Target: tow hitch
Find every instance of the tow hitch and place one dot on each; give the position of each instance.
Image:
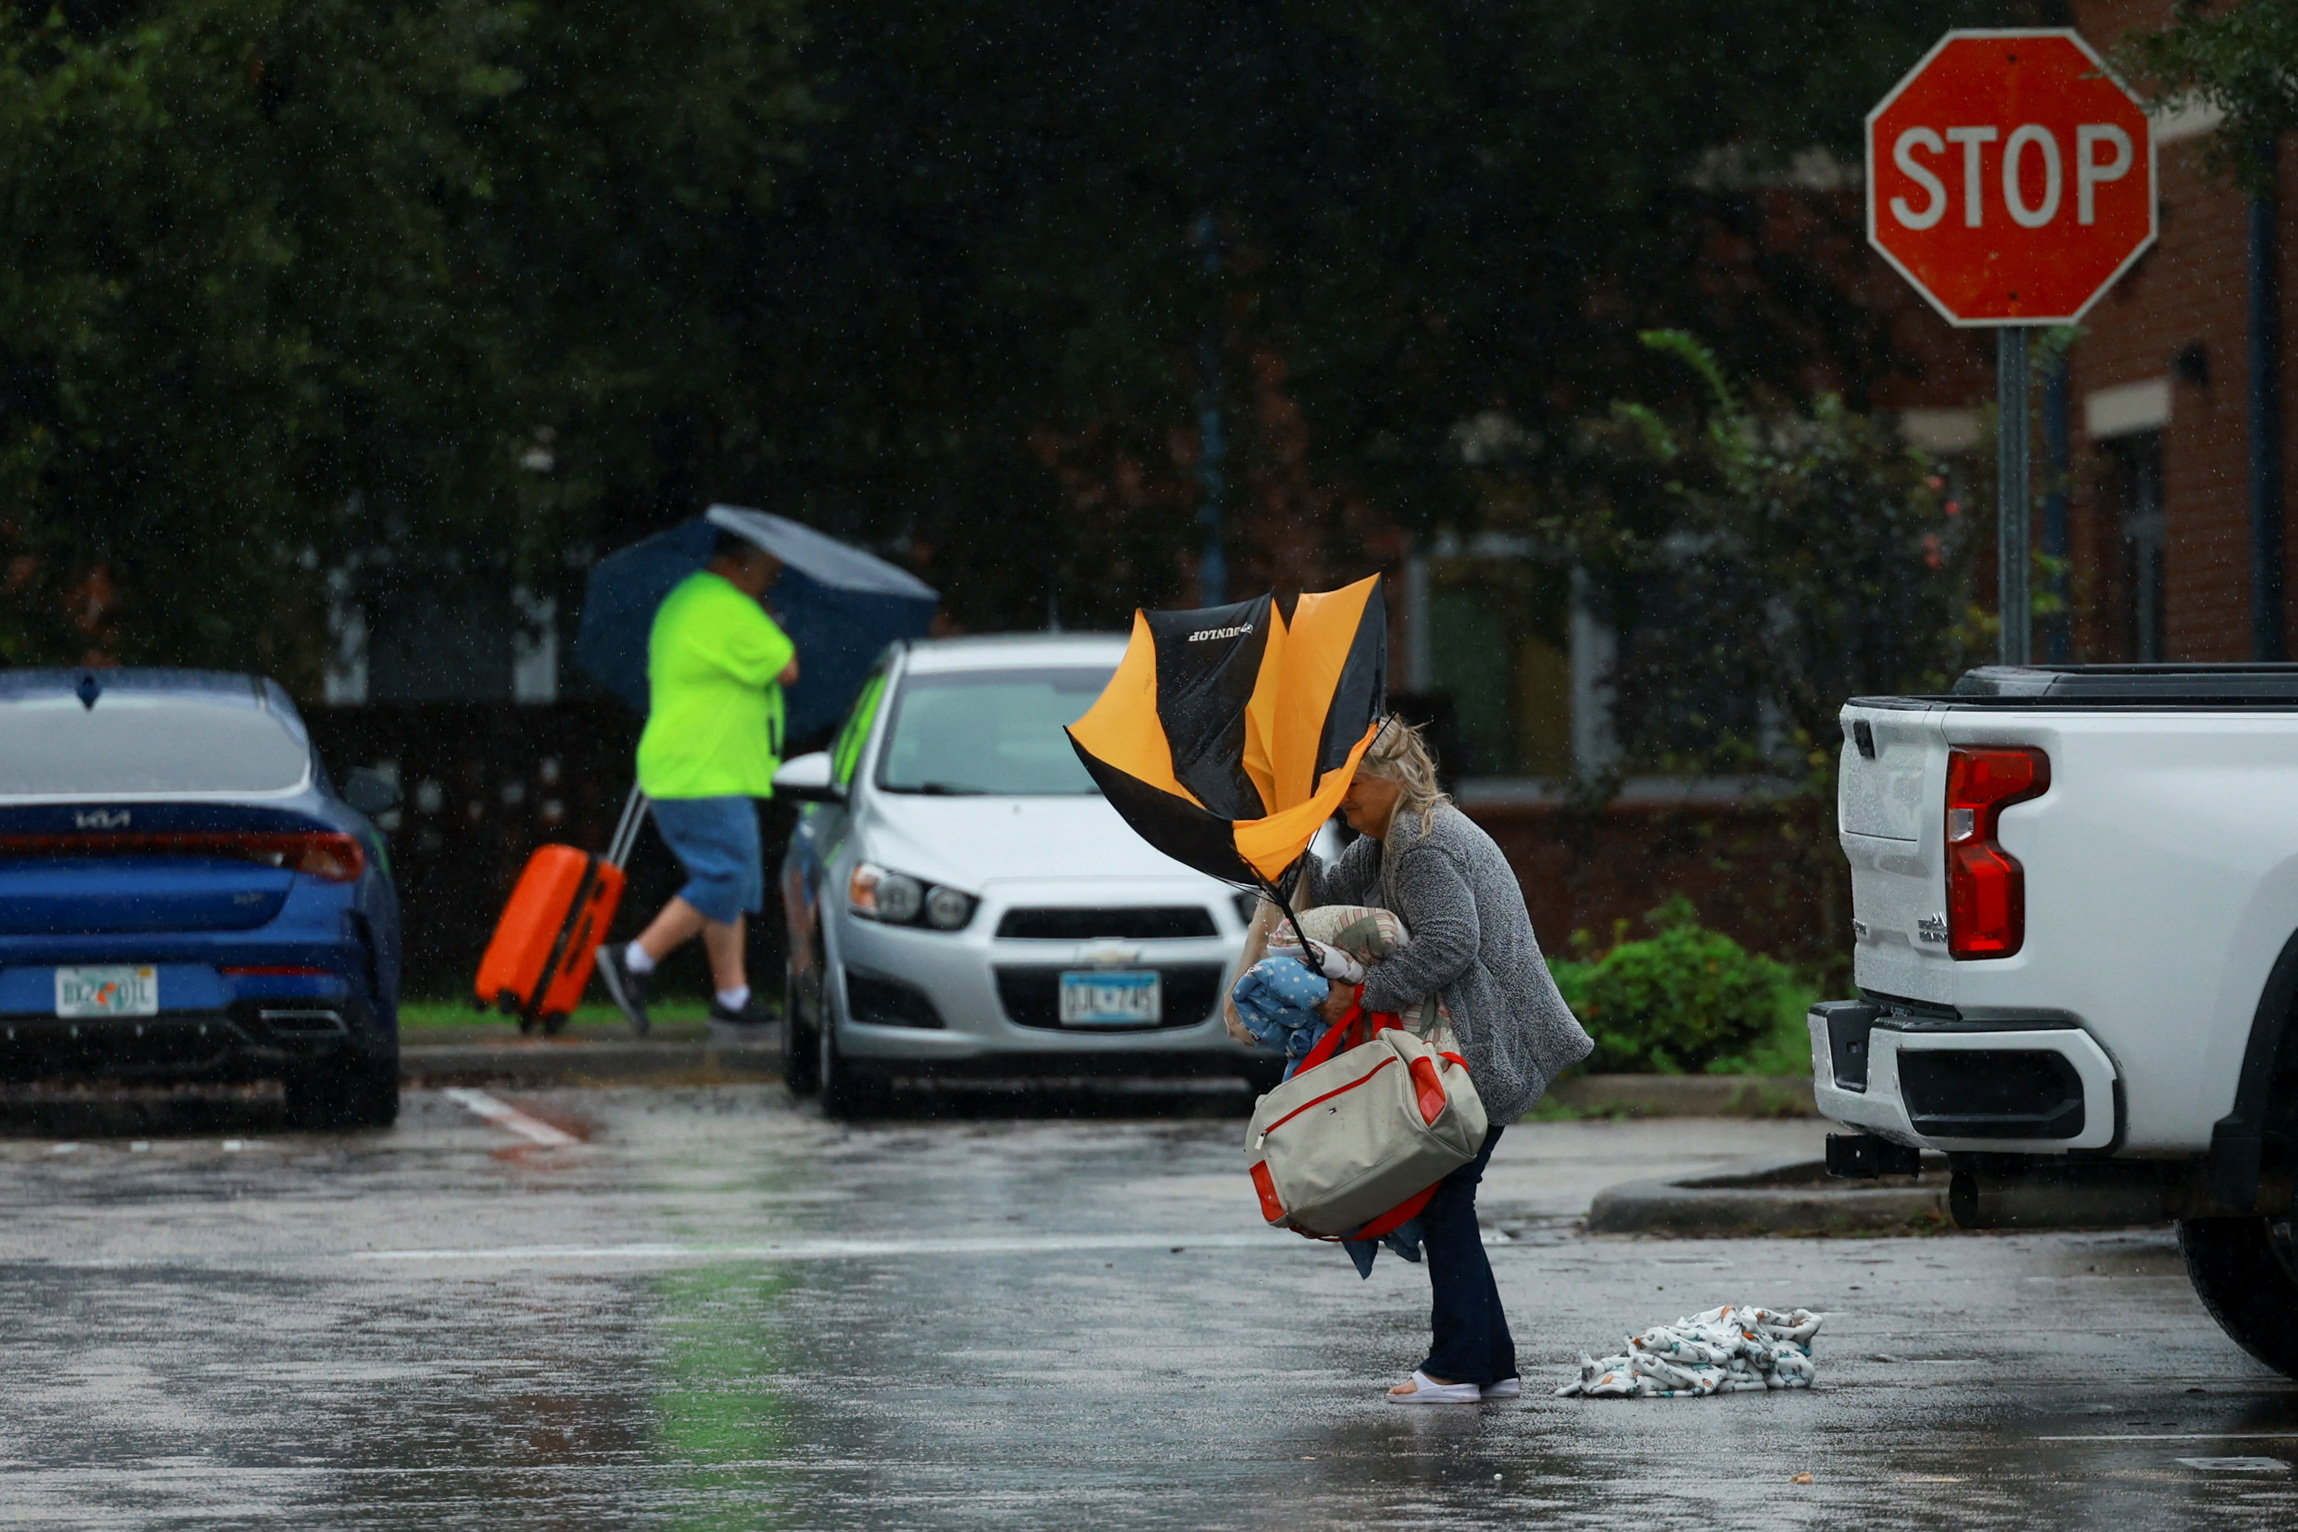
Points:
(1863, 1157)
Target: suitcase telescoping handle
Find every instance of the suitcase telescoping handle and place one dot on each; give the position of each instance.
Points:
(626, 829)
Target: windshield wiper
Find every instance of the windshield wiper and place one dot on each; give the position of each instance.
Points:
(945, 790)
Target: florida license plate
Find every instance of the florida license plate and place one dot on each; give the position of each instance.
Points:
(1105, 998)
(108, 991)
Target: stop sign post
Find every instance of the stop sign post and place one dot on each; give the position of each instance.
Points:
(2011, 179)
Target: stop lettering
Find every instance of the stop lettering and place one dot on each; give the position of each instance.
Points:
(2010, 177)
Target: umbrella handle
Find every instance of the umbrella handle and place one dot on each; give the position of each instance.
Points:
(1311, 948)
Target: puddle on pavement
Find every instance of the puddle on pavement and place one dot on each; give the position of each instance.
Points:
(972, 1371)
(106, 1111)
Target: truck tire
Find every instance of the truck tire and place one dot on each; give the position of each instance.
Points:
(343, 1094)
(2245, 1271)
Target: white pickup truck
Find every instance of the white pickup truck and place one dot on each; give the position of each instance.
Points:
(2075, 917)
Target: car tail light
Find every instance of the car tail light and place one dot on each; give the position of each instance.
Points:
(1986, 886)
(328, 854)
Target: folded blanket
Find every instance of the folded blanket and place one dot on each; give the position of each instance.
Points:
(1277, 1000)
(1723, 1351)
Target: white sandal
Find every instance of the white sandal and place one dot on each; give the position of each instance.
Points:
(1426, 1391)
(1506, 1388)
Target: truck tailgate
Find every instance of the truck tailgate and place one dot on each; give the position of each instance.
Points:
(1888, 797)
(2157, 883)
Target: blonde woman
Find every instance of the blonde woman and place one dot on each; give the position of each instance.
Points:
(1471, 945)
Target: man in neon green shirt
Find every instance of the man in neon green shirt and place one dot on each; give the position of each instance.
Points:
(716, 664)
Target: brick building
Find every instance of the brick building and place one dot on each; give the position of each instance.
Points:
(2147, 433)
(2159, 395)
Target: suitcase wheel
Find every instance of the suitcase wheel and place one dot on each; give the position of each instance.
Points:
(506, 1002)
(526, 1023)
(554, 1022)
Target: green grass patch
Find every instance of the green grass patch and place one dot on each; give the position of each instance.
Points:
(461, 1016)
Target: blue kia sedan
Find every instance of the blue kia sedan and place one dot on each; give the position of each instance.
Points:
(186, 896)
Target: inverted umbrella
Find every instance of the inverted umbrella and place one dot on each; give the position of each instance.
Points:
(1229, 734)
(839, 605)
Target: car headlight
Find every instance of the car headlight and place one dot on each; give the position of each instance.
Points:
(947, 909)
(897, 899)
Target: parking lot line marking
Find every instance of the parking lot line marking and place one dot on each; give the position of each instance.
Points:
(835, 1249)
(508, 1117)
(2186, 1436)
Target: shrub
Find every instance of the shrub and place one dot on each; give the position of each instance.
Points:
(1681, 1002)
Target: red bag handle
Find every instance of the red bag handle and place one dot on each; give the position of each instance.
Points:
(1386, 1223)
(1396, 1217)
(1349, 1030)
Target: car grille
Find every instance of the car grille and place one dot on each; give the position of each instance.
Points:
(1032, 995)
(1142, 922)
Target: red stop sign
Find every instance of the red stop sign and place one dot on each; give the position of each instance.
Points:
(2010, 177)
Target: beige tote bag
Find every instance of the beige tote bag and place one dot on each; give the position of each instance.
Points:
(1338, 1145)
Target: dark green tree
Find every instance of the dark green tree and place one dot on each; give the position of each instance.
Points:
(300, 283)
(2237, 57)
(1765, 562)
(1771, 564)
(452, 294)
(1034, 236)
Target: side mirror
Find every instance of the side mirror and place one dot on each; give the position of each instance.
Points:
(370, 792)
(806, 779)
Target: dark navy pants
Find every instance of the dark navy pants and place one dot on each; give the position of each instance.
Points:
(1471, 1344)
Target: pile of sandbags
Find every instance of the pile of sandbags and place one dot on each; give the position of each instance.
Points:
(1722, 1351)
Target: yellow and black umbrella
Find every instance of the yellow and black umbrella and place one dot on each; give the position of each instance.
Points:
(1229, 734)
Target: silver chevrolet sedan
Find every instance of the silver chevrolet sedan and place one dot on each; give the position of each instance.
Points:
(960, 898)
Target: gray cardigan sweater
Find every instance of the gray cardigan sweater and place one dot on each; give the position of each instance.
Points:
(1471, 942)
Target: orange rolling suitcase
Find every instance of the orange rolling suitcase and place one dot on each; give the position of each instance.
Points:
(539, 960)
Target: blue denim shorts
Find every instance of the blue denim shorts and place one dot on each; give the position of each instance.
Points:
(716, 841)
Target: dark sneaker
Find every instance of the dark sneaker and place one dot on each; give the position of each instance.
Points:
(749, 1016)
(626, 989)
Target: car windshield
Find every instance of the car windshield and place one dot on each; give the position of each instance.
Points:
(51, 746)
(989, 731)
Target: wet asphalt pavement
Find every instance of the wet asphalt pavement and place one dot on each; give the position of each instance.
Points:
(704, 1308)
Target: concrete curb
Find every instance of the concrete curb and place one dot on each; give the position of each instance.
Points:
(1773, 1197)
(574, 1060)
(571, 1061)
(1686, 1095)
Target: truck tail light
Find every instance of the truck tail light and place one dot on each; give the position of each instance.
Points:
(1986, 886)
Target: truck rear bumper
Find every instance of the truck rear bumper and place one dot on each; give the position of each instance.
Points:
(2004, 1086)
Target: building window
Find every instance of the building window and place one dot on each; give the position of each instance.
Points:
(443, 646)
(1499, 635)
(2134, 473)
